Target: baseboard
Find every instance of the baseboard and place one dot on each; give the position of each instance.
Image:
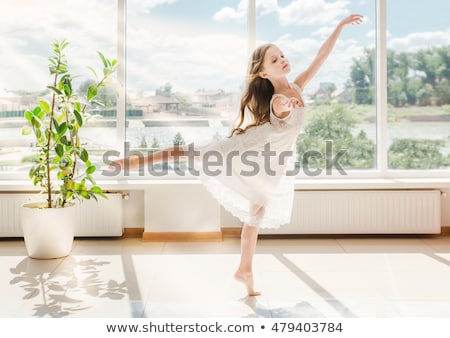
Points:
(182, 236)
(132, 232)
(231, 232)
(218, 236)
(445, 231)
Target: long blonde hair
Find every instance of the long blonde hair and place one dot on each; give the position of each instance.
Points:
(257, 94)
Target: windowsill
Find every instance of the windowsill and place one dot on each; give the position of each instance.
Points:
(300, 184)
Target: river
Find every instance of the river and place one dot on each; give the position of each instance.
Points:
(13, 146)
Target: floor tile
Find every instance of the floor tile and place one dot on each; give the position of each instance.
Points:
(329, 277)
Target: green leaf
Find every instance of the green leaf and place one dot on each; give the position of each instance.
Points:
(55, 124)
(36, 122)
(78, 117)
(84, 155)
(104, 60)
(59, 150)
(90, 179)
(54, 89)
(40, 116)
(67, 90)
(62, 129)
(28, 115)
(77, 106)
(38, 133)
(64, 140)
(26, 130)
(37, 110)
(90, 170)
(61, 118)
(45, 106)
(96, 190)
(64, 43)
(92, 92)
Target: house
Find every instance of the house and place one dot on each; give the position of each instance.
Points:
(157, 104)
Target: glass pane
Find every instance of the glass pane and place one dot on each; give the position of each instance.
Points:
(27, 32)
(418, 84)
(340, 129)
(186, 64)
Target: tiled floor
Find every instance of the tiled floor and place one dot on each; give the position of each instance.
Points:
(309, 277)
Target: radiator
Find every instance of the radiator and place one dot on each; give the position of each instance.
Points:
(101, 218)
(364, 212)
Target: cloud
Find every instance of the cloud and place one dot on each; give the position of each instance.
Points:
(26, 43)
(230, 14)
(419, 40)
(298, 12)
(371, 34)
(189, 62)
(145, 6)
(240, 14)
(313, 12)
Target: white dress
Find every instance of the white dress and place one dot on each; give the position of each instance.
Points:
(250, 170)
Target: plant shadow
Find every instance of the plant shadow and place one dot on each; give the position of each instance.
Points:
(62, 287)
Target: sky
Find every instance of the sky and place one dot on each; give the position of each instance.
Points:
(196, 45)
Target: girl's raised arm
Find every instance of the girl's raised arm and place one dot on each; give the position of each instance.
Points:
(325, 50)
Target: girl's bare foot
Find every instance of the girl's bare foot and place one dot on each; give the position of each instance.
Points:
(247, 279)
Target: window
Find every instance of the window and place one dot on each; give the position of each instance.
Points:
(418, 84)
(341, 120)
(185, 69)
(27, 32)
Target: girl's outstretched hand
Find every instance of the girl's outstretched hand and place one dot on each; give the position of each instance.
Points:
(290, 103)
(353, 19)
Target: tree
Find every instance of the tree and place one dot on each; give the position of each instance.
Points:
(155, 143)
(362, 78)
(334, 123)
(411, 153)
(422, 77)
(178, 140)
(143, 143)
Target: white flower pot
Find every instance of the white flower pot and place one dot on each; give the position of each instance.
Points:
(48, 232)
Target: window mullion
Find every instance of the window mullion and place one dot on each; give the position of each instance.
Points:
(381, 89)
(121, 73)
(251, 25)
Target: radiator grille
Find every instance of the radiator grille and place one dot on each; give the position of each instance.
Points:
(101, 218)
(364, 212)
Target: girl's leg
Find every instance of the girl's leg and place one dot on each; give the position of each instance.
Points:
(244, 274)
(249, 237)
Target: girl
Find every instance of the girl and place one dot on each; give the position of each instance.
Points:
(254, 182)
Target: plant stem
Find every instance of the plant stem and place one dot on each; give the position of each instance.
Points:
(49, 138)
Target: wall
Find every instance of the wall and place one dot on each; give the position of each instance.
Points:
(445, 208)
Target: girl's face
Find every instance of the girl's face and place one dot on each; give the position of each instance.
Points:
(275, 64)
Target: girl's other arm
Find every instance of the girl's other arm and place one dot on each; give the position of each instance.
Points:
(303, 79)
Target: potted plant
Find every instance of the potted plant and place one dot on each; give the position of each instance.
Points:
(62, 168)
